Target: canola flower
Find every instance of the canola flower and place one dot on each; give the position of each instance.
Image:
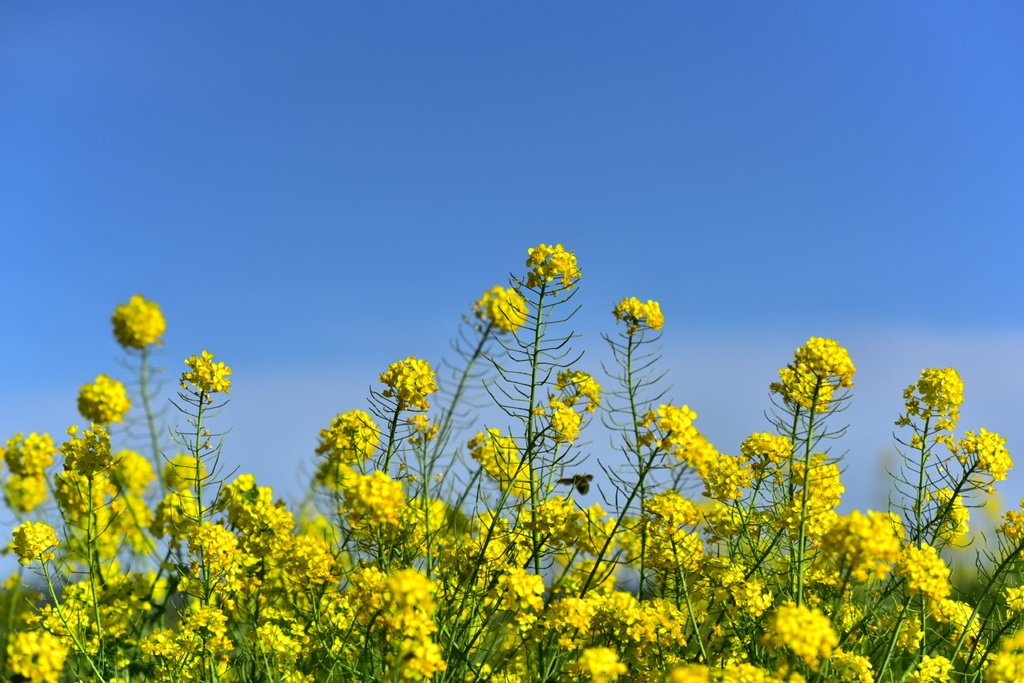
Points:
(552, 263)
(34, 541)
(139, 323)
(352, 437)
(206, 376)
(103, 402)
(410, 382)
(820, 367)
(804, 631)
(637, 314)
(505, 309)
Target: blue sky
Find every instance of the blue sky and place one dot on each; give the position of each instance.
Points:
(316, 190)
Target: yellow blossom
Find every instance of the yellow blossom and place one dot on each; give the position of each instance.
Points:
(985, 451)
(206, 376)
(36, 656)
(820, 367)
(932, 670)
(804, 631)
(351, 438)
(503, 308)
(138, 323)
(33, 541)
(599, 664)
(104, 402)
(926, 573)
(410, 381)
(88, 454)
(637, 314)
(549, 263)
(577, 384)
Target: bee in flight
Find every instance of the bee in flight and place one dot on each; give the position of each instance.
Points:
(580, 481)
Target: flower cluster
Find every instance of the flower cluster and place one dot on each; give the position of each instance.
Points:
(549, 263)
(820, 367)
(88, 454)
(410, 381)
(33, 541)
(138, 323)
(206, 376)
(351, 438)
(804, 631)
(503, 308)
(103, 402)
(637, 314)
(28, 457)
(926, 573)
(500, 458)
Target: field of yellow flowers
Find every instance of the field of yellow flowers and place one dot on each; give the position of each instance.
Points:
(430, 548)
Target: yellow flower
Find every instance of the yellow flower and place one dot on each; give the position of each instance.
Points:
(351, 438)
(503, 308)
(565, 422)
(865, 545)
(206, 376)
(549, 263)
(138, 323)
(932, 670)
(941, 391)
(410, 381)
(806, 632)
(33, 541)
(577, 384)
(104, 402)
(499, 456)
(30, 455)
(88, 454)
(926, 573)
(637, 314)
(36, 656)
(372, 499)
(1007, 666)
(987, 452)
(600, 664)
(820, 367)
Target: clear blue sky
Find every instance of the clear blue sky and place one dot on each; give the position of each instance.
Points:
(315, 190)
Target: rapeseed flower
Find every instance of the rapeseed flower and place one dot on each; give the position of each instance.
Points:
(410, 381)
(88, 454)
(206, 376)
(942, 393)
(932, 669)
(926, 573)
(599, 664)
(1007, 665)
(103, 402)
(351, 438)
(637, 314)
(36, 656)
(499, 456)
(576, 385)
(820, 367)
(372, 499)
(138, 323)
(549, 263)
(28, 458)
(804, 631)
(34, 541)
(866, 546)
(503, 308)
(987, 452)
(30, 455)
